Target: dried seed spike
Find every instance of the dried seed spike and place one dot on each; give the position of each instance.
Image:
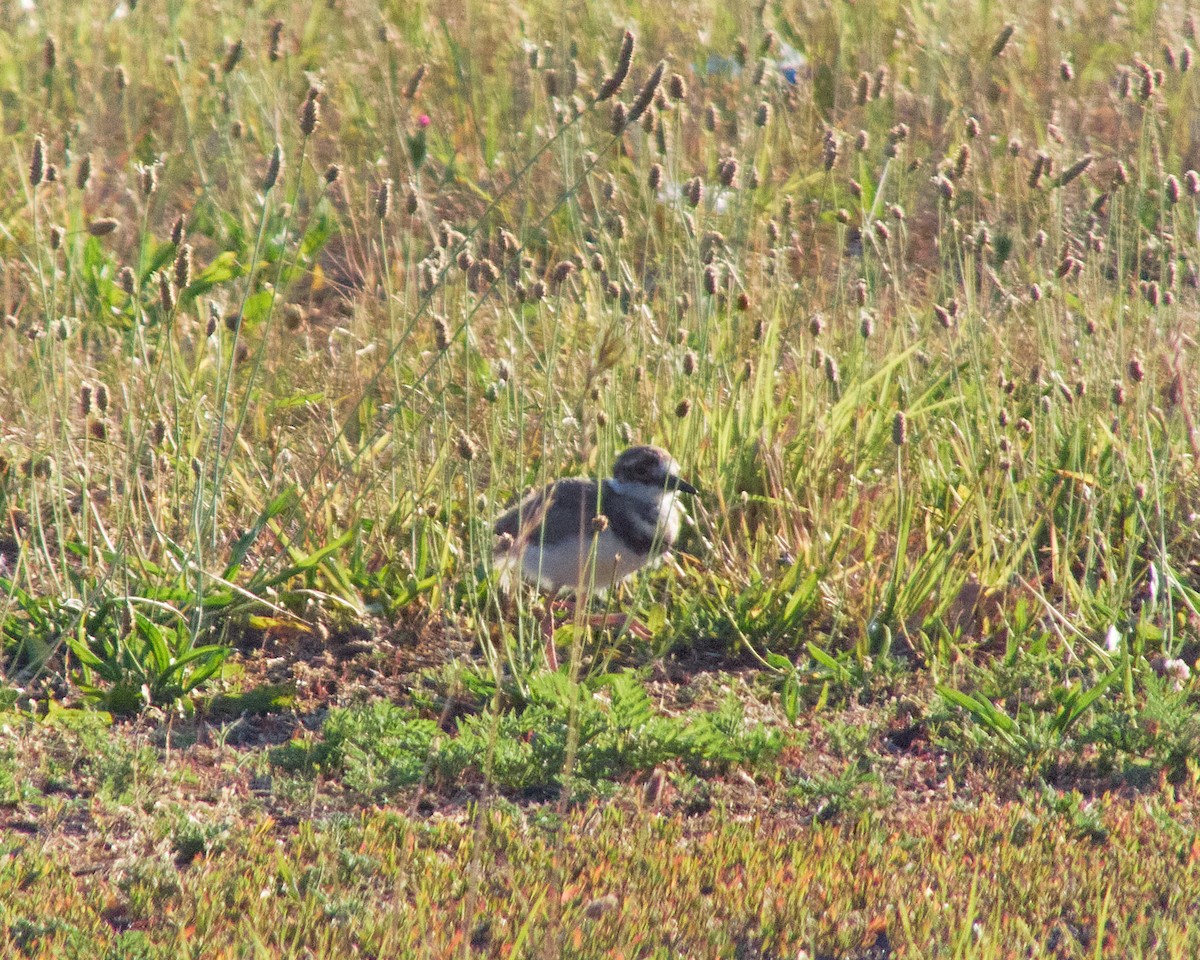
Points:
(183, 267)
(677, 87)
(166, 292)
(103, 226)
(727, 171)
(441, 334)
(900, 429)
(1066, 71)
(1172, 189)
(1039, 167)
(620, 119)
(383, 200)
(310, 112)
(177, 231)
(646, 94)
(654, 176)
(1075, 170)
(83, 172)
(862, 89)
(762, 116)
(881, 79)
(465, 446)
(614, 80)
(962, 162)
(275, 41)
(50, 54)
(413, 87)
(37, 161)
(333, 173)
(1002, 39)
(274, 166)
(102, 397)
(233, 57)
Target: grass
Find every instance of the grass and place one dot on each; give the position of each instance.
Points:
(296, 301)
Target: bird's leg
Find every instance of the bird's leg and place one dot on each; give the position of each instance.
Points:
(547, 624)
(622, 621)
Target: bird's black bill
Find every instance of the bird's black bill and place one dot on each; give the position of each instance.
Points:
(678, 483)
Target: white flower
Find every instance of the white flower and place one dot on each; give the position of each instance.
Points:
(1178, 671)
(1112, 640)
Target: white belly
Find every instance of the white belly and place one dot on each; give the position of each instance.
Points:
(569, 565)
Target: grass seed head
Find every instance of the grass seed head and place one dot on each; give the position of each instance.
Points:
(441, 334)
(37, 161)
(862, 89)
(166, 291)
(275, 41)
(103, 226)
(693, 190)
(274, 166)
(900, 429)
(233, 56)
(1075, 170)
(646, 95)
(612, 83)
(383, 200)
(310, 112)
(1171, 189)
(677, 87)
(1002, 39)
(85, 398)
(562, 271)
(654, 176)
(962, 162)
(183, 267)
(56, 237)
(83, 173)
(333, 173)
(619, 119)
(683, 408)
(727, 171)
(177, 231)
(413, 87)
(762, 116)
(880, 85)
(127, 280)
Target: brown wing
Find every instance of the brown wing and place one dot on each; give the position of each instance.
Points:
(551, 514)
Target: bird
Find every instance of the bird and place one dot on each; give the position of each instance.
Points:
(581, 536)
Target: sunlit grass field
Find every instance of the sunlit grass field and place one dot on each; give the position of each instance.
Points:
(297, 299)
